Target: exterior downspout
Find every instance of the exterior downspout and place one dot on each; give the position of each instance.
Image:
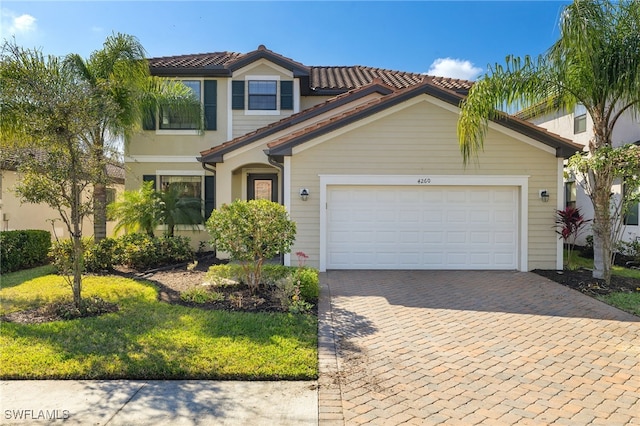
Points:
(280, 167)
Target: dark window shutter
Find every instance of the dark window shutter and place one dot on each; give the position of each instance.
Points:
(149, 120)
(150, 178)
(210, 98)
(209, 195)
(237, 94)
(286, 95)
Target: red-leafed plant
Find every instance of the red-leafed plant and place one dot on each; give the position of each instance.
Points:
(570, 223)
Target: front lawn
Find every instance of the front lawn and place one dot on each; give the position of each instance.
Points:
(146, 338)
(629, 300)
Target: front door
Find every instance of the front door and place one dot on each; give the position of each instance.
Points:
(262, 187)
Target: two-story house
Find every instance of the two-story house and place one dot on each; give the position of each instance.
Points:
(365, 160)
(577, 125)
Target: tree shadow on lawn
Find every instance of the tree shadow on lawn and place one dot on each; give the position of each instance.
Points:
(152, 342)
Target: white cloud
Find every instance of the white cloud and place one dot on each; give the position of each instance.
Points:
(14, 24)
(454, 68)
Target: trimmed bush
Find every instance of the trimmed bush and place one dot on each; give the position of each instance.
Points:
(141, 252)
(309, 283)
(23, 249)
(221, 275)
(137, 251)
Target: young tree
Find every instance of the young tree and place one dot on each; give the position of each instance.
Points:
(252, 232)
(45, 114)
(596, 63)
(118, 75)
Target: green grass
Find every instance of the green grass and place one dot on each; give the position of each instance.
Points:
(629, 302)
(148, 339)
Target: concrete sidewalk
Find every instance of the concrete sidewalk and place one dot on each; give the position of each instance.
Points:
(180, 402)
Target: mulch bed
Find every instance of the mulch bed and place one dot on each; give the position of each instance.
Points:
(583, 281)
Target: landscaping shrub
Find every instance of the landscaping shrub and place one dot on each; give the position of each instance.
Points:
(201, 295)
(271, 274)
(220, 275)
(252, 232)
(141, 252)
(23, 249)
(101, 256)
(137, 251)
(309, 283)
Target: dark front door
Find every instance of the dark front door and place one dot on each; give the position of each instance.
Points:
(262, 187)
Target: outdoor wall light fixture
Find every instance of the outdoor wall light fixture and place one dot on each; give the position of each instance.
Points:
(544, 195)
(304, 194)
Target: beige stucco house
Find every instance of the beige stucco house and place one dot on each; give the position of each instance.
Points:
(16, 215)
(365, 160)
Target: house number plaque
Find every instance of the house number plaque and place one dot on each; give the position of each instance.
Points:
(424, 181)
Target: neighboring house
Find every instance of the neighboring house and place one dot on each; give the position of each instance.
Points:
(365, 160)
(16, 215)
(577, 125)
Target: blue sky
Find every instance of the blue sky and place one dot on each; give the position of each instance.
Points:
(452, 38)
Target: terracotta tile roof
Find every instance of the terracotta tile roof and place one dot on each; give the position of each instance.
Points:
(199, 60)
(321, 79)
(347, 97)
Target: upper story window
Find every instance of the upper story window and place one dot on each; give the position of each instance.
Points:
(174, 119)
(579, 119)
(262, 95)
(168, 118)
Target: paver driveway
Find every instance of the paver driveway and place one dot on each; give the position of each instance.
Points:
(460, 347)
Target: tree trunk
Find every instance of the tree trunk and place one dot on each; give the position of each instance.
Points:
(99, 212)
(602, 239)
(77, 243)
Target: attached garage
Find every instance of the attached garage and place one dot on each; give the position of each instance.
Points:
(422, 228)
(439, 222)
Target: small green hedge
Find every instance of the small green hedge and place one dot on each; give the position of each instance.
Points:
(305, 277)
(23, 249)
(137, 251)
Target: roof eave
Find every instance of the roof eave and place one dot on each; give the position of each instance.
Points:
(190, 72)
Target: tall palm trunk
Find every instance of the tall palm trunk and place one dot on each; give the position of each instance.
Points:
(99, 212)
(100, 192)
(601, 191)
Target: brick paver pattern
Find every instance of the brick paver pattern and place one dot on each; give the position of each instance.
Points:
(472, 347)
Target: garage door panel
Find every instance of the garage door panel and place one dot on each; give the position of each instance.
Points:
(422, 228)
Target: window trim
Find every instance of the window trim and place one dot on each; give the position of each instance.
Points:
(158, 182)
(579, 120)
(275, 78)
(183, 131)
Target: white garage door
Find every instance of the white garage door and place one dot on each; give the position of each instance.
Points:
(408, 227)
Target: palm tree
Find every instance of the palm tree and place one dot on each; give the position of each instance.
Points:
(119, 77)
(136, 211)
(596, 63)
(176, 207)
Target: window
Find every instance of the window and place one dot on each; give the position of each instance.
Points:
(189, 192)
(631, 215)
(570, 194)
(111, 195)
(263, 94)
(579, 119)
(187, 186)
(181, 120)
